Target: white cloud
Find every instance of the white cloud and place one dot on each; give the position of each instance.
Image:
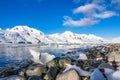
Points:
(88, 8)
(116, 3)
(93, 11)
(106, 14)
(78, 23)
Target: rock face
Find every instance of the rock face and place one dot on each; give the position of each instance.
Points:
(68, 75)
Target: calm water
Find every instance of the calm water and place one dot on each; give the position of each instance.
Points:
(10, 54)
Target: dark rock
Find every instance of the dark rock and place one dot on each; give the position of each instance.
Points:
(51, 74)
(14, 77)
(35, 78)
(9, 73)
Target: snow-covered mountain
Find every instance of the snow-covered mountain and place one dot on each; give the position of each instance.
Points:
(69, 37)
(25, 34)
(22, 34)
(116, 40)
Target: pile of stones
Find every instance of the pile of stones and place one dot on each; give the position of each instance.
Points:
(99, 60)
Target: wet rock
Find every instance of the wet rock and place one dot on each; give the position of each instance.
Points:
(9, 73)
(35, 71)
(5, 69)
(14, 77)
(22, 73)
(35, 78)
(24, 65)
(68, 75)
(51, 74)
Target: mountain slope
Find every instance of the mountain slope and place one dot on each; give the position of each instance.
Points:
(23, 34)
(68, 36)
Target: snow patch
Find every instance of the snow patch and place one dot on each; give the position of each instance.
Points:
(78, 69)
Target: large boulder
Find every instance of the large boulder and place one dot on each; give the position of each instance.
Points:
(35, 71)
(68, 75)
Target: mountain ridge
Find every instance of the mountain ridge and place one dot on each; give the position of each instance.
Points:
(23, 34)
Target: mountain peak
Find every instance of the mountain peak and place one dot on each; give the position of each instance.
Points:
(68, 33)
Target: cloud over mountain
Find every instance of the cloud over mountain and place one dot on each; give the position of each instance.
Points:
(93, 10)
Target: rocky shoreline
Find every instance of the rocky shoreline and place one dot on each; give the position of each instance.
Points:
(97, 63)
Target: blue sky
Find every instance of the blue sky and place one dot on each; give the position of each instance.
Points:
(99, 17)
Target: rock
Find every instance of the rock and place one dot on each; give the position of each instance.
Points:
(68, 75)
(22, 73)
(78, 69)
(4, 69)
(59, 62)
(35, 71)
(114, 56)
(24, 65)
(97, 75)
(105, 65)
(114, 76)
(108, 71)
(84, 64)
(53, 63)
(9, 73)
(82, 57)
(14, 77)
(46, 57)
(51, 74)
(63, 61)
(34, 78)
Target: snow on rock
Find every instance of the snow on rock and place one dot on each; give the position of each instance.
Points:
(114, 76)
(41, 58)
(82, 56)
(68, 75)
(97, 75)
(108, 71)
(78, 69)
(46, 57)
(36, 56)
